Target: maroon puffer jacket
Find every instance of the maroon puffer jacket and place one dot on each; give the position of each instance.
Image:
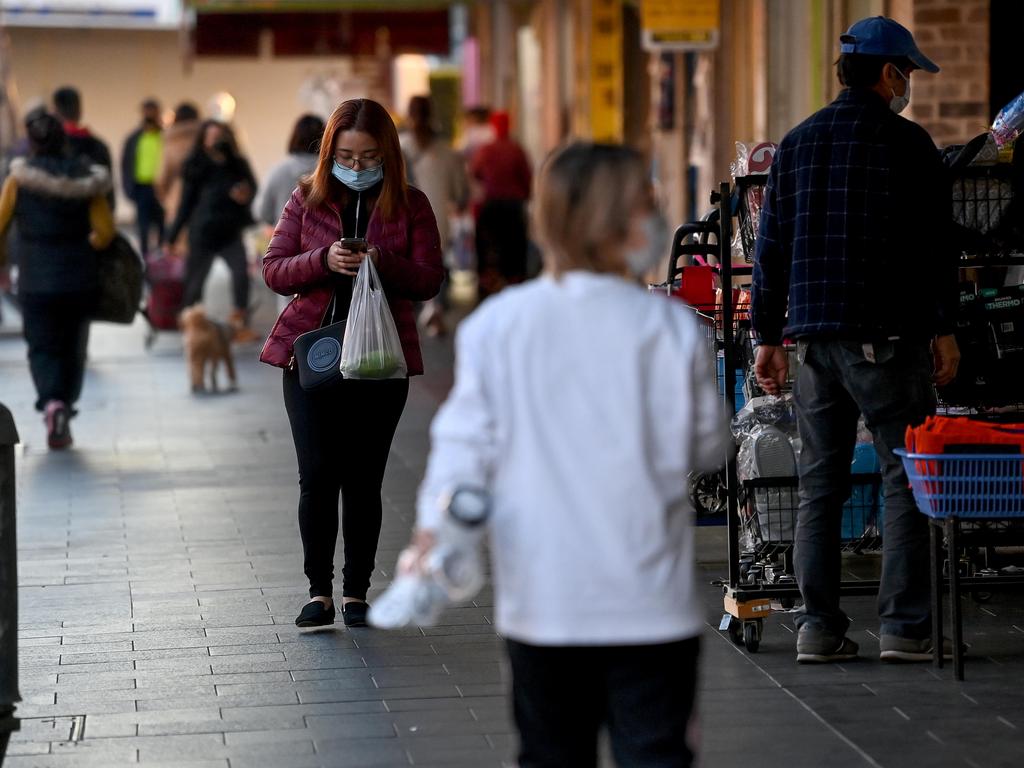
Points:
(409, 266)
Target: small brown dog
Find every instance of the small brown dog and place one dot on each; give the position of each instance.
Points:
(206, 344)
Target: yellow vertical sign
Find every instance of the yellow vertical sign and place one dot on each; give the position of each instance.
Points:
(606, 71)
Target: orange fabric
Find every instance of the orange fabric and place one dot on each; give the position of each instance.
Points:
(937, 432)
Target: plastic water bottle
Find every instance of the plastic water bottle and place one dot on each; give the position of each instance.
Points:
(1009, 122)
(456, 562)
(452, 571)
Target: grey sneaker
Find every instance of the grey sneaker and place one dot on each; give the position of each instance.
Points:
(819, 646)
(895, 648)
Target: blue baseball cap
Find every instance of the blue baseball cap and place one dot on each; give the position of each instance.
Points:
(879, 36)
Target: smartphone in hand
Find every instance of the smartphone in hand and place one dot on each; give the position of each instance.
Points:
(354, 244)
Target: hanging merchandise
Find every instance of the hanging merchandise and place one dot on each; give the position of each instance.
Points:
(372, 349)
(1009, 122)
(749, 170)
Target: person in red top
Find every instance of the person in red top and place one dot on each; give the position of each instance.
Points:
(503, 175)
(67, 103)
(343, 432)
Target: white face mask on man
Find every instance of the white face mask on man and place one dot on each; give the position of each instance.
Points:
(898, 103)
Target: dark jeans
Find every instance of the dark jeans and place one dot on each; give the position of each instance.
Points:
(56, 327)
(149, 215)
(562, 695)
(836, 383)
(342, 439)
(197, 269)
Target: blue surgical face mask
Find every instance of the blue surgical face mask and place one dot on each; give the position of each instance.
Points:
(359, 180)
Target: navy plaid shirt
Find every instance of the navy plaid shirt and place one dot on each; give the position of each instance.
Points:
(854, 238)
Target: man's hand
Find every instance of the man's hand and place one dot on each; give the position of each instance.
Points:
(770, 367)
(947, 359)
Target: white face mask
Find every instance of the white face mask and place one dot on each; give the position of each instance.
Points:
(898, 103)
(640, 261)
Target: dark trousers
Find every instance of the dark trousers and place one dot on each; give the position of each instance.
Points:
(561, 696)
(501, 245)
(342, 439)
(197, 269)
(56, 328)
(149, 215)
(890, 384)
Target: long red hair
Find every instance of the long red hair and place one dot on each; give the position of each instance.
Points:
(369, 117)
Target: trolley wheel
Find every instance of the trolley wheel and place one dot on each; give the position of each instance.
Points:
(752, 636)
(708, 494)
(736, 631)
(149, 338)
(787, 603)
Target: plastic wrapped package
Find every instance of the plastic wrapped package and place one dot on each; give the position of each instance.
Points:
(752, 159)
(765, 429)
(1009, 122)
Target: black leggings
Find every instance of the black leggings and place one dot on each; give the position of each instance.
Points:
(200, 261)
(342, 439)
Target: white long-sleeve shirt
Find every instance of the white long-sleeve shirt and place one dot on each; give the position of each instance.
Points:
(582, 403)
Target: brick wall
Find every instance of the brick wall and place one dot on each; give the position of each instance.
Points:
(952, 105)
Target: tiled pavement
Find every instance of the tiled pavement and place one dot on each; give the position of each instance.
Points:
(160, 572)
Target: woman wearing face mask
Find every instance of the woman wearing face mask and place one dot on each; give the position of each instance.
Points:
(584, 438)
(343, 433)
(215, 204)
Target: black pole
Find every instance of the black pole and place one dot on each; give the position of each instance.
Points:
(729, 364)
(9, 695)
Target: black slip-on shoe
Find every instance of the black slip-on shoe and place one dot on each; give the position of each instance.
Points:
(315, 614)
(354, 614)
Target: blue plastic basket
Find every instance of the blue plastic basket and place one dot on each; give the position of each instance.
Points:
(966, 484)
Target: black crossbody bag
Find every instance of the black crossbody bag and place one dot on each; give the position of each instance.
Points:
(318, 353)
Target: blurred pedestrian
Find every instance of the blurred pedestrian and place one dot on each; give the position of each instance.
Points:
(303, 154)
(581, 403)
(67, 103)
(179, 141)
(440, 173)
(476, 132)
(58, 201)
(218, 188)
(140, 164)
(343, 433)
(503, 172)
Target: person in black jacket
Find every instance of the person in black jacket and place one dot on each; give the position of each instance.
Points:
(140, 165)
(218, 188)
(58, 201)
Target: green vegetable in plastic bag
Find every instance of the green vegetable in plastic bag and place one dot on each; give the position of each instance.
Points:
(372, 348)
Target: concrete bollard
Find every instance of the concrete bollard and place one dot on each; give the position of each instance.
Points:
(9, 695)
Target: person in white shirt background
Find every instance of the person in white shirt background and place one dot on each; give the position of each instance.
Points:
(581, 402)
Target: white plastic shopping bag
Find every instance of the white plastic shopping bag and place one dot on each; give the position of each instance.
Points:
(371, 348)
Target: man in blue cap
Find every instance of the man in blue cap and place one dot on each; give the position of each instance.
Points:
(853, 262)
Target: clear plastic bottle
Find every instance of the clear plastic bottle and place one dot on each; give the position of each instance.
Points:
(1009, 122)
(451, 571)
(456, 562)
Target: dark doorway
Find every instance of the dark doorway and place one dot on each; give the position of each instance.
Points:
(1006, 78)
